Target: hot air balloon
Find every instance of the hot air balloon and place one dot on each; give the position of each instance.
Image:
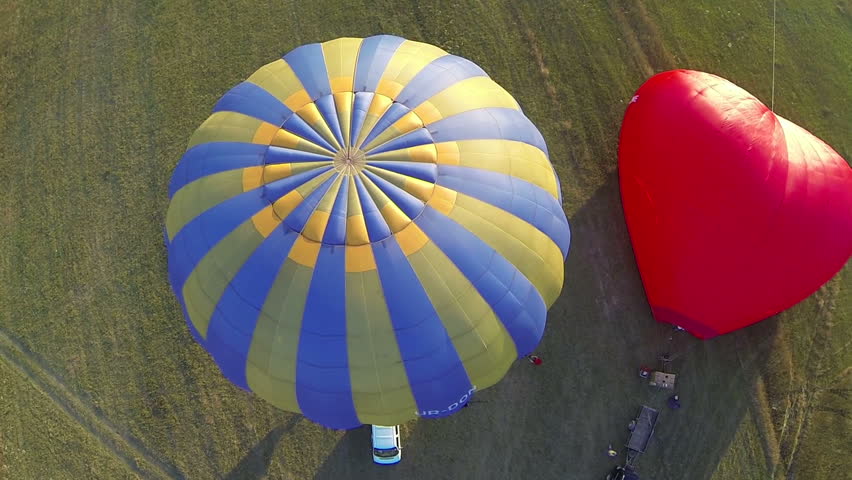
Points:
(735, 213)
(366, 231)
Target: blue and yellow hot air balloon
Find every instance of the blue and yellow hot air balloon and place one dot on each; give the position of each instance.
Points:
(366, 231)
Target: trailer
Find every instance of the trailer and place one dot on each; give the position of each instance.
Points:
(642, 430)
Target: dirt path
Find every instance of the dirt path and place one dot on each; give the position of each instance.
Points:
(126, 448)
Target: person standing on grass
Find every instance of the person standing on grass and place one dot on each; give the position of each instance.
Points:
(674, 402)
(534, 359)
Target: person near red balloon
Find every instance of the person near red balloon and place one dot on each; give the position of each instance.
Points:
(534, 359)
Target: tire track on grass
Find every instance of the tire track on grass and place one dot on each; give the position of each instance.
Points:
(760, 409)
(125, 447)
(813, 386)
(642, 36)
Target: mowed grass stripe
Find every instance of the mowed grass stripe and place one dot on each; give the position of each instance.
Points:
(126, 448)
(36, 437)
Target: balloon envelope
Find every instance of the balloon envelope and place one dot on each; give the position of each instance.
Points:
(365, 231)
(735, 213)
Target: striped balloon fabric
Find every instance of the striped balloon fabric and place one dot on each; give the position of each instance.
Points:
(366, 231)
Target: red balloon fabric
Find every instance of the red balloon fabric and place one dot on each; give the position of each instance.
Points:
(735, 213)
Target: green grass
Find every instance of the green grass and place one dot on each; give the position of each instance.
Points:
(100, 378)
(37, 440)
(745, 459)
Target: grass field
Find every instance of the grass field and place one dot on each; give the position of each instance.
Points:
(100, 379)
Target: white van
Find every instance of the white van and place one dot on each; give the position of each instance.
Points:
(386, 446)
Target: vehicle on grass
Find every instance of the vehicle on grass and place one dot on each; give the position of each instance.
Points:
(622, 473)
(642, 430)
(386, 446)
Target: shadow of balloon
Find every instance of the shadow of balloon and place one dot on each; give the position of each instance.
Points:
(352, 458)
(601, 330)
(255, 464)
(556, 420)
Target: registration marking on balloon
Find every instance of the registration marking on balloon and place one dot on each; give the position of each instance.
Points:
(450, 408)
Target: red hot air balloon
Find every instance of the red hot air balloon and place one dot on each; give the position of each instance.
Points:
(735, 213)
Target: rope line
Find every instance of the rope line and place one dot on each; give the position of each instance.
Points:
(772, 100)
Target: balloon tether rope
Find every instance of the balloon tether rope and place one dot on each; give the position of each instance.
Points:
(772, 100)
